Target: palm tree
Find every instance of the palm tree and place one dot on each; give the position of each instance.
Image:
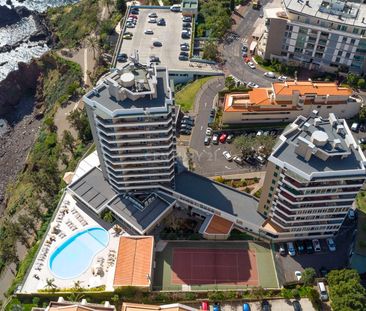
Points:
(92, 43)
(77, 286)
(50, 284)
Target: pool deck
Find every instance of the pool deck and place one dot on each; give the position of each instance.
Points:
(69, 220)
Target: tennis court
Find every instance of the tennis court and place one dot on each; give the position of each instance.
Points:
(205, 265)
(214, 266)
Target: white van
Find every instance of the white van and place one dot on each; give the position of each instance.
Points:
(175, 8)
(323, 291)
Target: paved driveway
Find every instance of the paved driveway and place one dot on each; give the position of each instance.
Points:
(286, 265)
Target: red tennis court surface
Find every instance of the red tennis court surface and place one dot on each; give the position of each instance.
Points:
(214, 266)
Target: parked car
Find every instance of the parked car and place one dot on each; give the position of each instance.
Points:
(246, 307)
(207, 140)
(184, 54)
(122, 57)
(186, 34)
(187, 19)
(260, 159)
(183, 57)
(152, 21)
(175, 8)
(270, 74)
(215, 139)
(282, 78)
(309, 247)
(352, 214)
(300, 247)
(244, 48)
(354, 127)
(135, 11)
(153, 14)
(156, 42)
(251, 65)
(209, 131)
(154, 59)
(251, 160)
(161, 22)
(227, 155)
(205, 306)
(130, 25)
(185, 126)
(184, 47)
(323, 291)
(252, 85)
(362, 141)
(291, 249)
(331, 245)
(223, 138)
(239, 160)
(186, 25)
(185, 44)
(187, 121)
(298, 275)
(296, 305)
(316, 245)
(265, 305)
(148, 32)
(282, 249)
(230, 138)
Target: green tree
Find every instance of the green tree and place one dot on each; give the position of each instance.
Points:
(362, 114)
(79, 121)
(265, 144)
(315, 299)
(246, 145)
(27, 223)
(361, 84)
(121, 6)
(50, 284)
(230, 82)
(308, 276)
(68, 141)
(115, 299)
(346, 291)
(210, 50)
(352, 79)
(108, 217)
(35, 301)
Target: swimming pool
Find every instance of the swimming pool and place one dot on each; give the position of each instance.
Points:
(75, 255)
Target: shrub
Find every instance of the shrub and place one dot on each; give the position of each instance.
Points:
(308, 276)
(216, 296)
(361, 84)
(295, 293)
(315, 299)
(220, 179)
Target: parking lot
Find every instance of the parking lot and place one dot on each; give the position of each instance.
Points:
(169, 35)
(287, 265)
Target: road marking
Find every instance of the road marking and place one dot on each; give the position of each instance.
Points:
(201, 127)
(205, 105)
(228, 168)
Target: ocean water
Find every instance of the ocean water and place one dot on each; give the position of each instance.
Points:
(21, 31)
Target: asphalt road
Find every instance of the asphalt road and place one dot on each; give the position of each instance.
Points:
(231, 52)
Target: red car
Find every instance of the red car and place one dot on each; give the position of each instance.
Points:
(222, 138)
(205, 306)
(133, 16)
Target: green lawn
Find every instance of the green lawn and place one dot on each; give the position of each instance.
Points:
(185, 98)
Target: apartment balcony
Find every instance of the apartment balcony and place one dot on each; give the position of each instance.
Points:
(134, 132)
(139, 167)
(318, 225)
(322, 185)
(137, 181)
(306, 218)
(142, 174)
(137, 138)
(315, 206)
(123, 153)
(123, 123)
(316, 199)
(167, 158)
(140, 146)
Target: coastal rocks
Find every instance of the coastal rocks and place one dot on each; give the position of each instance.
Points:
(13, 15)
(16, 84)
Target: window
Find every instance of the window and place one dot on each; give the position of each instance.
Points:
(275, 174)
(344, 28)
(269, 201)
(265, 213)
(277, 167)
(273, 182)
(329, 107)
(270, 195)
(271, 188)
(338, 59)
(355, 30)
(344, 39)
(353, 41)
(348, 55)
(339, 53)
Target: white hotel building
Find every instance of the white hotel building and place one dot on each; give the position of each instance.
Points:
(312, 178)
(132, 116)
(322, 35)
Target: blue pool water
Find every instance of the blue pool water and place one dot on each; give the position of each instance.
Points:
(75, 255)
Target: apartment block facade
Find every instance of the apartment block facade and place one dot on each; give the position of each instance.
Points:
(324, 35)
(132, 117)
(312, 178)
(284, 102)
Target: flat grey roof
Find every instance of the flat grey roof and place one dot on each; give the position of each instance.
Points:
(169, 36)
(111, 103)
(93, 189)
(221, 197)
(286, 152)
(139, 218)
(351, 13)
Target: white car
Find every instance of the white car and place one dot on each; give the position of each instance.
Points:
(227, 155)
(153, 14)
(251, 65)
(209, 131)
(260, 133)
(298, 275)
(152, 20)
(316, 245)
(252, 85)
(331, 245)
(149, 32)
(270, 74)
(291, 249)
(282, 78)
